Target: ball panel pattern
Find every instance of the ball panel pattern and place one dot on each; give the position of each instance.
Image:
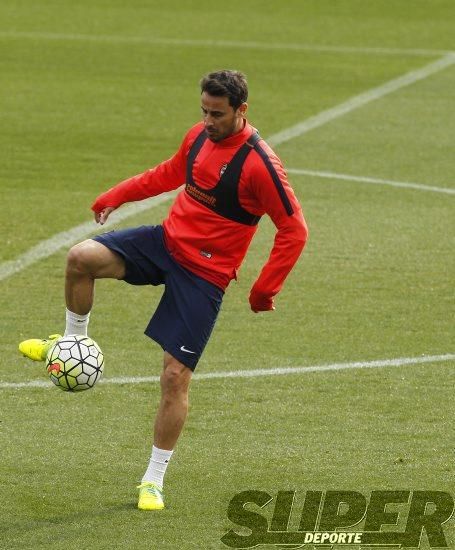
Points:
(75, 363)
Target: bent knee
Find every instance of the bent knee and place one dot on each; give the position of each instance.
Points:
(93, 258)
(80, 256)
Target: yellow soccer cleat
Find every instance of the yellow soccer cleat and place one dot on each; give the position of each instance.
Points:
(150, 496)
(37, 349)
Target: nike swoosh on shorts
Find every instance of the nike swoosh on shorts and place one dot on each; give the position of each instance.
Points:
(183, 348)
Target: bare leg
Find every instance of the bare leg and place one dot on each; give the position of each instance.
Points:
(173, 408)
(87, 261)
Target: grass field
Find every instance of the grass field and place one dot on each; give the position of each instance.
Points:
(98, 91)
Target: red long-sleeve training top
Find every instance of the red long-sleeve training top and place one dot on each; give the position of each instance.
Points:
(201, 240)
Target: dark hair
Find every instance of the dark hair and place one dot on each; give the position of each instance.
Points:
(230, 84)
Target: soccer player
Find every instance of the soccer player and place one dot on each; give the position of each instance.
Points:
(232, 178)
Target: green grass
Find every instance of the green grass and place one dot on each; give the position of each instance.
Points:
(375, 280)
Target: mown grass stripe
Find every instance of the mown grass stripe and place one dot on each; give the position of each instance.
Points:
(207, 43)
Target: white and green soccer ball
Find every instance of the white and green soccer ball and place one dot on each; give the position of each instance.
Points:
(75, 363)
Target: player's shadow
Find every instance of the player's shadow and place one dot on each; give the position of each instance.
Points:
(106, 510)
(32, 525)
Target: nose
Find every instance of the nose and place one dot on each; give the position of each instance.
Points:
(208, 120)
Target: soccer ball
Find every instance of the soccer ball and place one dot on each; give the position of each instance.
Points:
(75, 363)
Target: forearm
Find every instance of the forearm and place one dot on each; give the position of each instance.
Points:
(137, 188)
(166, 176)
(288, 245)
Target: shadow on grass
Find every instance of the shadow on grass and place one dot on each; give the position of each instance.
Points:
(71, 521)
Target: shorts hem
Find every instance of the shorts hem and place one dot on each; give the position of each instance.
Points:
(175, 352)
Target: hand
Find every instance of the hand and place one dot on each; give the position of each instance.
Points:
(101, 217)
(260, 302)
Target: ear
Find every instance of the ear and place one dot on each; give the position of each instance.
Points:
(242, 109)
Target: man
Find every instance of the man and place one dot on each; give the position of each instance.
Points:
(231, 179)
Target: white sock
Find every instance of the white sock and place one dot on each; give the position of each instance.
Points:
(157, 466)
(76, 324)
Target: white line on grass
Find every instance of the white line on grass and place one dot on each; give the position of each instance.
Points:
(249, 45)
(46, 248)
(253, 373)
(360, 100)
(366, 179)
(55, 243)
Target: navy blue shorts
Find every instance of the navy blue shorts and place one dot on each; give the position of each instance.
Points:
(186, 314)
